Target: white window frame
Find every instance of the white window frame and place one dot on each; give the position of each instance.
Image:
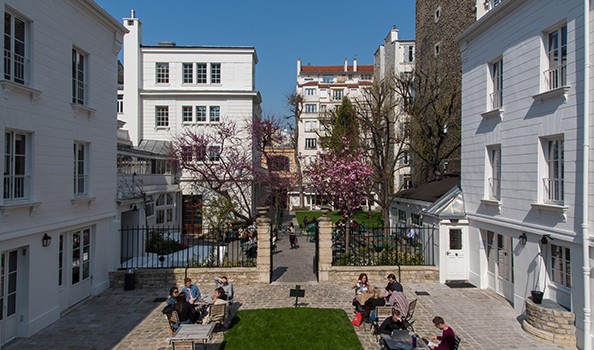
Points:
(201, 116)
(16, 183)
(162, 72)
(553, 171)
(337, 94)
(187, 113)
(188, 73)
(555, 72)
(311, 126)
(120, 103)
(408, 54)
(311, 143)
(560, 268)
(165, 209)
(310, 92)
(311, 108)
(215, 73)
(80, 85)
(81, 169)
(214, 154)
(493, 172)
(214, 114)
(407, 181)
(201, 73)
(162, 116)
(496, 88)
(17, 65)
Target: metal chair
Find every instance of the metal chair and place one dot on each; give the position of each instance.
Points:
(457, 343)
(173, 320)
(409, 315)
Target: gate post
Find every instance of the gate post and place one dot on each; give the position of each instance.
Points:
(263, 261)
(324, 245)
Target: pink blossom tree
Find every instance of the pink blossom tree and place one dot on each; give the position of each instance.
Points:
(342, 177)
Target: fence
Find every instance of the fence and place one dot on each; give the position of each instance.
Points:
(169, 247)
(383, 246)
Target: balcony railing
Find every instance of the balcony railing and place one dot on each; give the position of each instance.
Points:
(496, 99)
(494, 188)
(16, 67)
(556, 77)
(553, 190)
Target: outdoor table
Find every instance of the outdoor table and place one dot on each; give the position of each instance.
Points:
(395, 340)
(192, 333)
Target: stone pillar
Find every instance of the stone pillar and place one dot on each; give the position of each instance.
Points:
(263, 261)
(324, 246)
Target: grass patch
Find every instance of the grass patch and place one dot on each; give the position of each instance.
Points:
(362, 217)
(291, 328)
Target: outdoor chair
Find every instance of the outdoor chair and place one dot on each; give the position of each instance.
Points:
(367, 316)
(218, 314)
(457, 343)
(173, 320)
(409, 315)
(381, 313)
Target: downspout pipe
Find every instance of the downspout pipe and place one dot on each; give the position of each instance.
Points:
(585, 180)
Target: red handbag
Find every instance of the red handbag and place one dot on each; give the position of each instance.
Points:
(358, 319)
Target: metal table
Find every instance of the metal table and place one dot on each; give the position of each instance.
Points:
(192, 333)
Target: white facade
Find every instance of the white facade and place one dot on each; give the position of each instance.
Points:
(47, 130)
(169, 89)
(522, 142)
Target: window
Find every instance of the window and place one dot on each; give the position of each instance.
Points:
(436, 49)
(278, 163)
(337, 95)
(561, 265)
(162, 73)
(405, 158)
(149, 206)
(415, 219)
(409, 54)
(81, 258)
(311, 108)
(323, 108)
(407, 181)
(16, 63)
(214, 153)
(311, 143)
(16, 165)
(497, 84)
(215, 73)
(187, 116)
(401, 216)
(437, 15)
(162, 116)
(554, 176)
(200, 114)
(215, 114)
(366, 77)
(556, 74)
(188, 73)
(79, 85)
(310, 92)
(60, 260)
(200, 73)
(311, 126)
(164, 208)
(327, 79)
(494, 172)
(120, 103)
(493, 3)
(81, 181)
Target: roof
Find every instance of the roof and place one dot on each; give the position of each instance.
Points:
(336, 69)
(450, 205)
(155, 146)
(328, 86)
(430, 191)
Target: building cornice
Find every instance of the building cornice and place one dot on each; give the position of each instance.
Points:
(100, 13)
(491, 17)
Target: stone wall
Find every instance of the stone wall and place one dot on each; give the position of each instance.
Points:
(550, 321)
(377, 274)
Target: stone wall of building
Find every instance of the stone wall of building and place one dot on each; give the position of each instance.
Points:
(378, 274)
(550, 321)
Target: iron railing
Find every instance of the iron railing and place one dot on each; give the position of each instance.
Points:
(169, 247)
(553, 190)
(384, 246)
(556, 77)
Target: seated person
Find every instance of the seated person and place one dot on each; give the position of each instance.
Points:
(392, 281)
(172, 296)
(392, 323)
(397, 300)
(191, 291)
(219, 297)
(185, 311)
(376, 300)
(362, 284)
(447, 340)
(224, 283)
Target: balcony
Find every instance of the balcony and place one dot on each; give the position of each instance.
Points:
(494, 188)
(553, 190)
(556, 78)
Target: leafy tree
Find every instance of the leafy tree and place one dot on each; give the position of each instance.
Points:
(343, 125)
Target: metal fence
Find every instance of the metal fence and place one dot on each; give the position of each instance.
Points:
(169, 247)
(384, 246)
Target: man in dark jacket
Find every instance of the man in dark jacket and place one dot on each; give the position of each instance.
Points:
(392, 323)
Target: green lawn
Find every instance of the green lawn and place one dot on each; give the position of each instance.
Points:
(291, 328)
(362, 217)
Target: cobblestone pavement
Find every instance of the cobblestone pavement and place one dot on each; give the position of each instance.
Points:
(131, 320)
(294, 265)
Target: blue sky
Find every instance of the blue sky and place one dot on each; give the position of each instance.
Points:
(320, 32)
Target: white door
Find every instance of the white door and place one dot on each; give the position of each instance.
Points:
(74, 267)
(500, 274)
(9, 274)
(457, 266)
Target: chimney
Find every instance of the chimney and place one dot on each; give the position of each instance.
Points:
(132, 13)
(355, 64)
(346, 64)
(394, 34)
(299, 66)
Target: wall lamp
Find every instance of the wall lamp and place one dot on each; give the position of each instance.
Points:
(523, 238)
(545, 239)
(133, 207)
(46, 240)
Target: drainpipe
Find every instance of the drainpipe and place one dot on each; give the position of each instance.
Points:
(586, 178)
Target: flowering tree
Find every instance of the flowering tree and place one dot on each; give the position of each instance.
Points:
(341, 177)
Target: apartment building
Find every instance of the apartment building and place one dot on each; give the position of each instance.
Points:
(57, 214)
(169, 89)
(527, 176)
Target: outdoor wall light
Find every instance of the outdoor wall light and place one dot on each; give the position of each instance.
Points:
(523, 238)
(46, 240)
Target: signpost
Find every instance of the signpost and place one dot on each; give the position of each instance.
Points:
(297, 292)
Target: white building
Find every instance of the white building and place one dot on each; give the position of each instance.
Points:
(57, 226)
(169, 89)
(395, 58)
(525, 182)
(322, 89)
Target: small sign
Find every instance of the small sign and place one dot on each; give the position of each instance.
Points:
(297, 292)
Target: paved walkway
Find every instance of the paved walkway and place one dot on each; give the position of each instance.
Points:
(292, 266)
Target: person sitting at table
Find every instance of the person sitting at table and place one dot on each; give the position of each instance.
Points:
(392, 281)
(219, 297)
(185, 311)
(224, 283)
(397, 300)
(376, 300)
(172, 296)
(392, 323)
(447, 339)
(362, 284)
(191, 291)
